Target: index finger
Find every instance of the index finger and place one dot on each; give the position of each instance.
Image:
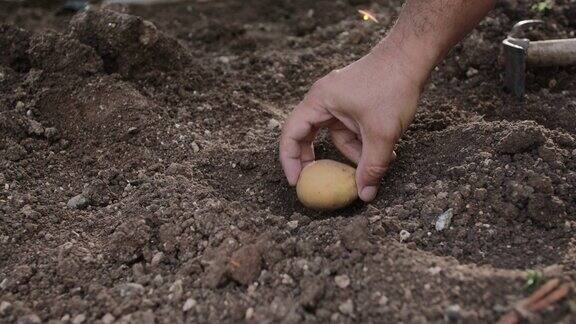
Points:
(301, 126)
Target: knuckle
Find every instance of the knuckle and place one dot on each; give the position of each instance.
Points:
(375, 171)
(316, 88)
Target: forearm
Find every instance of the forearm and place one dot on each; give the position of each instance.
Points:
(427, 29)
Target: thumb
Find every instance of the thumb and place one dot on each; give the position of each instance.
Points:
(377, 153)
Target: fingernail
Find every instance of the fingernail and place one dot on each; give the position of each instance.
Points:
(368, 193)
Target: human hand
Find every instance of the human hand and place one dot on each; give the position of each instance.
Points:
(366, 107)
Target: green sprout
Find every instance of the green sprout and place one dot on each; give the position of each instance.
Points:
(533, 279)
(542, 6)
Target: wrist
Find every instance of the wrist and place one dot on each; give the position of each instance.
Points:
(416, 61)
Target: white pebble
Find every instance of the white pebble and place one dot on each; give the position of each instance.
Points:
(347, 307)
(189, 304)
(404, 235)
(342, 281)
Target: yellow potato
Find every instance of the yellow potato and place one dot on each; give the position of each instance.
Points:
(327, 185)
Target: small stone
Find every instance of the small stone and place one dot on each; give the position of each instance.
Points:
(79, 319)
(452, 313)
(132, 130)
(108, 319)
(157, 259)
(342, 281)
(346, 307)
(273, 124)
(149, 33)
(404, 235)
(189, 304)
(78, 202)
(195, 147)
(552, 83)
(287, 280)
(35, 128)
(444, 220)
(292, 224)
(471, 72)
(383, 301)
(20, 105)
(177, 290)
(130, 289)
(435, 270)
(249, 313)
(30, 319)
(29, 212)
(51, 134)
(223, 59)
(5, 307)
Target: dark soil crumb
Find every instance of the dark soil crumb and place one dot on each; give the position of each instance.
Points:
(139, 180)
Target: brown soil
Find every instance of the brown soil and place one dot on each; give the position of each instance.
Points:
(161, 122)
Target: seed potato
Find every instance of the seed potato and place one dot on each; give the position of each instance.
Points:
(327, 185)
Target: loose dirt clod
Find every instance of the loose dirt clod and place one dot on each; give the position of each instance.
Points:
(245, 264)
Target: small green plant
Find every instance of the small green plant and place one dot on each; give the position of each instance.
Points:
(533, 280)
(542, 6)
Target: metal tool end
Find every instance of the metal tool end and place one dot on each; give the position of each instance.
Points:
(520, 26)
(515, 56)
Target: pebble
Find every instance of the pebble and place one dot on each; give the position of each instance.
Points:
(383, 301)
(19, 105)
(292, 224)
(471, 72)
(287, 280)
(78, 202)
(79, 319)
(130, 289)
(189, 304)
(30, 319)
(452, 313)
(51, 133)
(404, 235)
(249, 313)
(5, 307)
(157, 259)
(4, 283)
(195, 147)
(346, 307)
(444, 220)
(342, 281)
(29, 212)
(176, 289)
(273, 124)
(223, 59)
(108, 318)
(35, 128)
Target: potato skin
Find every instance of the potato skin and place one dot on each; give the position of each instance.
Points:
(327, 185)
